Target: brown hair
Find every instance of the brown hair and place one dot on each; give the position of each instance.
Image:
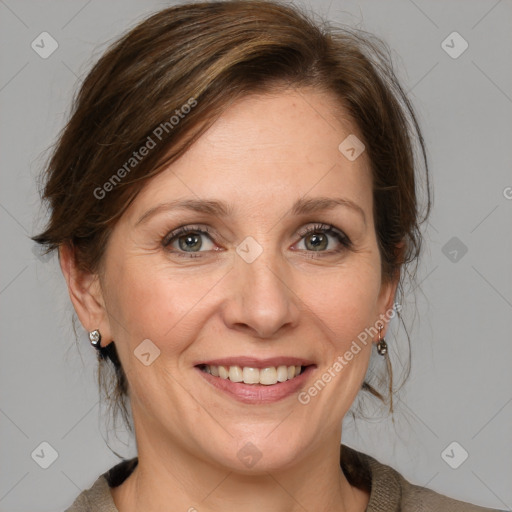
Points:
(169, 78)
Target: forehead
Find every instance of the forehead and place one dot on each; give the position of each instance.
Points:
(266, 147)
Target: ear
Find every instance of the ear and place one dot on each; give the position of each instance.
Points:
(86, 294)
(388, 291)
(386, 302)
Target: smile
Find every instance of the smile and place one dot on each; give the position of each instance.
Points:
(254, 381)
(248, 375)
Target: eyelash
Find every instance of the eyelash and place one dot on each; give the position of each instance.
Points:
(185, 230)
(327, 229)
(204, 230)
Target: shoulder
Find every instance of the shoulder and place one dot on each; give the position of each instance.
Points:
(390, 491)
(420, 499)
(98, 497)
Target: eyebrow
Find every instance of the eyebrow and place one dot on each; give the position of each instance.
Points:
(210, 207)
(220, 209)
(317, 204)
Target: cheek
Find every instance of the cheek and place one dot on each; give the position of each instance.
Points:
(154, 301)
(342, 307)
(347, 301)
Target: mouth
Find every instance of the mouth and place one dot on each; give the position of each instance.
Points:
(267, 376)
(257, 381)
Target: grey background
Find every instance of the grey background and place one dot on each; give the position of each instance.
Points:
(461, 383)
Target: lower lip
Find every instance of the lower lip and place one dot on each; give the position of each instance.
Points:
(259, 393)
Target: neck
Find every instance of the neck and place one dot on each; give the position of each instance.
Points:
(315, 482)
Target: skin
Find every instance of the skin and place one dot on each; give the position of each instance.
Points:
(262, 155)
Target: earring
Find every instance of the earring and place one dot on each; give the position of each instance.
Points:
(95, 339)
(382, 346)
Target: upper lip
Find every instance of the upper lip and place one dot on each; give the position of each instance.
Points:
(253, 362)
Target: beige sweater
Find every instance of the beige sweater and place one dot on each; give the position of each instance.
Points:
(389, 491)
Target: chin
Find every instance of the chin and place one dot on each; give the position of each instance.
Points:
(259, 454)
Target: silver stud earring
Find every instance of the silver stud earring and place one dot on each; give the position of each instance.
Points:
(95, 339)
(382, 346)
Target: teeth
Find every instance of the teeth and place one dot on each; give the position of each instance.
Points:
(235, 374)
(282, 373)
(268, 376)
(251, 375)
(247, 375)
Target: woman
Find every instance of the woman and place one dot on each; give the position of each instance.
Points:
(234, 205)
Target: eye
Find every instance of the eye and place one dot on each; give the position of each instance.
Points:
(323, 238)
(188, 239)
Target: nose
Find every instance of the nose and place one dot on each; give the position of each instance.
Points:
(261, 300)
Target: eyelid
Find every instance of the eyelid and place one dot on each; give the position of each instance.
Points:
(325, 228)
(343, 239)
(185, 229)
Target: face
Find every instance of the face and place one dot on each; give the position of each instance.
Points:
(255, 252)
